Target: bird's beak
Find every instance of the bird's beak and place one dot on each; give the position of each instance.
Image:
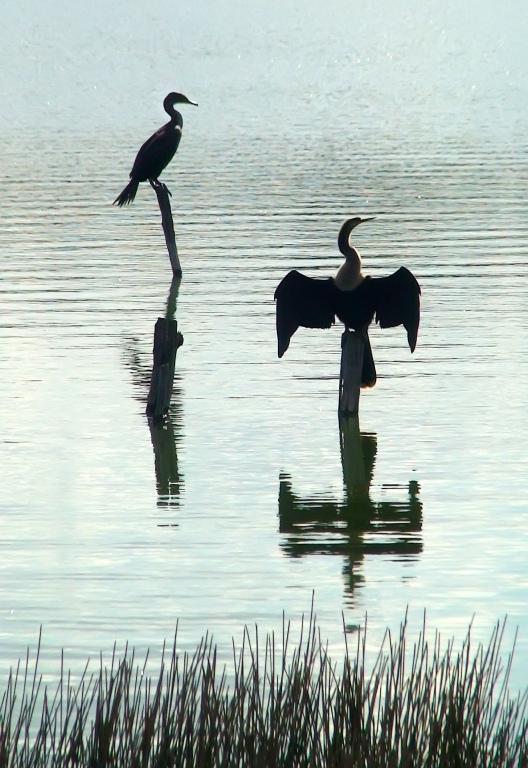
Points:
(195, 103)
(356, 221)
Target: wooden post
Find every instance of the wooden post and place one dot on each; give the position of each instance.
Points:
(162, 193)
(166, 343)
(352, 344)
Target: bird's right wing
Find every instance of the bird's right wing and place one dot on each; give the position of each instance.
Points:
(156, 153)
(397, 302)
(302, 301)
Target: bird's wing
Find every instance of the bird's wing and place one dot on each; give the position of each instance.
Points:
(396, 301)
(156, 153)
(302, 301)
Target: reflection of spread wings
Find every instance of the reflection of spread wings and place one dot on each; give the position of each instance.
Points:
(311, 303)
(355, 527)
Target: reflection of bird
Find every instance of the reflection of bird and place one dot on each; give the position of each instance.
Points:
(356, 525)
(356, 300)
(157, 152)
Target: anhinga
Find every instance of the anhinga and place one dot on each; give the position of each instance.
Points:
(356, 300)
(157, 152)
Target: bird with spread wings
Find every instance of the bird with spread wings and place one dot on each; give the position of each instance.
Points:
(356, 300)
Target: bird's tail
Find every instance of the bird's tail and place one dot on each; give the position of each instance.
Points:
(128, 194)
(368, 372)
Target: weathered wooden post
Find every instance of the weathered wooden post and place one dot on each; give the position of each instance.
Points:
(352, 346)
(162, 193)
(166, 343)
(167, 340)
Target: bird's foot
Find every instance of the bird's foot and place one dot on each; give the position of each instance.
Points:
(157, 184)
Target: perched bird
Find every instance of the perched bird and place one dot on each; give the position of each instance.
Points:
(157, 152)
(355, 299)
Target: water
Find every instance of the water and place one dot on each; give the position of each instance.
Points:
(246, 503)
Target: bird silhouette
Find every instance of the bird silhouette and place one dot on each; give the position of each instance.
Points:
(356, 300)
(157, 152)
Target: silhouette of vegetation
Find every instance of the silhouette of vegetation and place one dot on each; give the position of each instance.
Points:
(279, 706)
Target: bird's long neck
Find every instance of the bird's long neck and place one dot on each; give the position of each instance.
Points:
(175, 116)
(349, 275)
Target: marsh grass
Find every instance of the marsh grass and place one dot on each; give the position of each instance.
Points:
(280, 706)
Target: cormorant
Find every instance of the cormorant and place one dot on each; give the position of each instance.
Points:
(356, 300)
(157, 152)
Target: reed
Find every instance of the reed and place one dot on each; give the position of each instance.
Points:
(280, 705)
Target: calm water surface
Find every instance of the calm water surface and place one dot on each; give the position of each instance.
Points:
(252, 497)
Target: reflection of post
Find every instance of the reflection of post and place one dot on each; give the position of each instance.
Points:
(352, 344)
(352, 456)
(166, 343)
(357, 526)
(165, 462)
(172, 298)
(162, 193)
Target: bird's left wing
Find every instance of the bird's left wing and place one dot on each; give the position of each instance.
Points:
(396, 301)
(157, 152)
(302, 301)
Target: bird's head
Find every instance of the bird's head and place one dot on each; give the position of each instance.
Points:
(177, 98)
